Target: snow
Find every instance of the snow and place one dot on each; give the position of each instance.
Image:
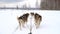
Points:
(50, 22)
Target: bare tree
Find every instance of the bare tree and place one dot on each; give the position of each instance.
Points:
(50, 5)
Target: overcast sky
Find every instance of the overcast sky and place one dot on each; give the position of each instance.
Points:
(10, 0)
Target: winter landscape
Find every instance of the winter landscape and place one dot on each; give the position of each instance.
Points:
(50, 22)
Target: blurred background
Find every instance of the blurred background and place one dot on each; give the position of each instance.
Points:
(30, 4)
(20, 3)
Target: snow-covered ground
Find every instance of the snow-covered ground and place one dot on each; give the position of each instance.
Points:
(50, 22)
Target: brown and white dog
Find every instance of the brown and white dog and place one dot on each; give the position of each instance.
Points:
(24, 18)
(38, 19)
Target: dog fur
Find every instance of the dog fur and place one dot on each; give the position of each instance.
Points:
(23, 19)
(38, 19)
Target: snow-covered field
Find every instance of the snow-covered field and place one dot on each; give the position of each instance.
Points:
(50, 22)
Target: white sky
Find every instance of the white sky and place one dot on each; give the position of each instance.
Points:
(11, 1)
(50, 22)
